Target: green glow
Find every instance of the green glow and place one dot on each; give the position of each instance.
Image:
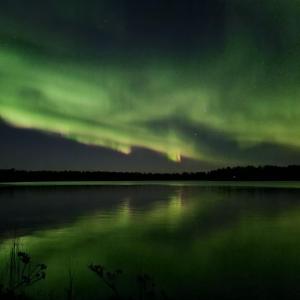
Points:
(246, 90)
(189, 236)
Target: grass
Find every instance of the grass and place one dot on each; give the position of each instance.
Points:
(22, 273)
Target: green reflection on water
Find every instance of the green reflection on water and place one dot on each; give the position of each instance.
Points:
(218, 242)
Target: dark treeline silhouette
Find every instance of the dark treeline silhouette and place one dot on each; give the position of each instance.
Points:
(230, 174)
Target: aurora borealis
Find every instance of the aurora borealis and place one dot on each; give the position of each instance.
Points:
(215, 81)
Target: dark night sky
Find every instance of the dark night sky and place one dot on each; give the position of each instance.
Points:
(149, 85)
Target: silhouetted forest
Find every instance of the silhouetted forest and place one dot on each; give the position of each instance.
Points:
(230, 174)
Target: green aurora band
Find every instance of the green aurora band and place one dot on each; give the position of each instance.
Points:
(226, 93)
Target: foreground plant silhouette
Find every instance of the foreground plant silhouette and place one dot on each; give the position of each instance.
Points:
(22, 273)
(145, 284)
(109, 278)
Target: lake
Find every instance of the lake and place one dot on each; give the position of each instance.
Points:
(195, 240)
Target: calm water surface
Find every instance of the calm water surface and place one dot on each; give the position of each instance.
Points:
(197, 240)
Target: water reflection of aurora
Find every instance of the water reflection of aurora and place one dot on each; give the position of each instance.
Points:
(215, 242)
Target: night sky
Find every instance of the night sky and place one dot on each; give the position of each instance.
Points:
(157, 85)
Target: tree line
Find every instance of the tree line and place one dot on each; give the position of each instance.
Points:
(230, 173)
